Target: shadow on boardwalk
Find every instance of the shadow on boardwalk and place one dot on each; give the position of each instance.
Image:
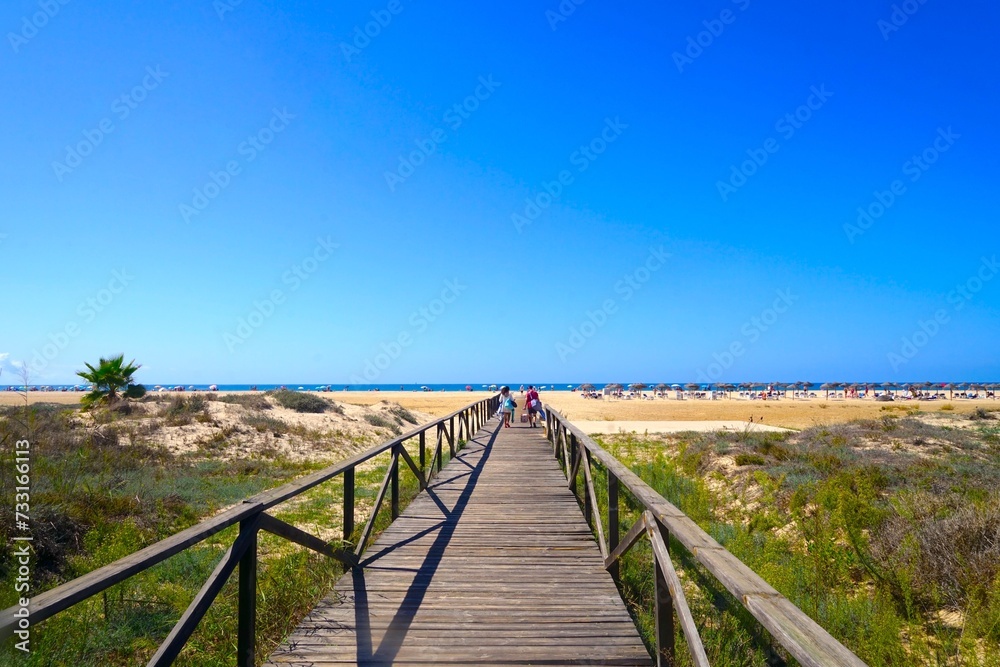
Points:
(492, 565)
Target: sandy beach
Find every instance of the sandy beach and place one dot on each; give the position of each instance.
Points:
(787, 412)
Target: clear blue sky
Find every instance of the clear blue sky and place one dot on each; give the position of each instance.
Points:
(117, 115)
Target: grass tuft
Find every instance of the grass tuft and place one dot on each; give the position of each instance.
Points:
(300, 401)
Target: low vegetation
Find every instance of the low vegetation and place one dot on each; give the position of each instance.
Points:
(104, 486)
(885, 531)
(252, 401)
(300, 401)
(180, 411)
(381, 421)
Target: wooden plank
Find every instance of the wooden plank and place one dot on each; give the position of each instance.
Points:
(808, 643)
(631, 537)
(492, 563)
(592, 507)
(673, 582)
(301, 537)
(370, 525)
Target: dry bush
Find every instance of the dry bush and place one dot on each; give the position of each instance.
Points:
(940, 550)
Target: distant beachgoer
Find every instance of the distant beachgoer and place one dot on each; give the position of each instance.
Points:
(522, 388)
(507, 405)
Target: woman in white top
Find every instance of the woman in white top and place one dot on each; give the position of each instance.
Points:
(507, 405)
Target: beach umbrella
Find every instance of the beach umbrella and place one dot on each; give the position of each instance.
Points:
(638, 386)
(826, 387)
(586, 386)
(660, 388)
(691, 386)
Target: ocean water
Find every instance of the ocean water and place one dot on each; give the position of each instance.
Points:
(477, 386)
(318, 387)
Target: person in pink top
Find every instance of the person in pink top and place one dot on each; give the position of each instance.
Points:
(533, 405)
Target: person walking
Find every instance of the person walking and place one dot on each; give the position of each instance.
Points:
(533, 405)
(507, 405)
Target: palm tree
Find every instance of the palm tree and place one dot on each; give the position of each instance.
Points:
(111, 381)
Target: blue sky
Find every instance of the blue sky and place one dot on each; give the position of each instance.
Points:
(240, 192)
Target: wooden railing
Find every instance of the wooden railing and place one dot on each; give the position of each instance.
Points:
(790, 627)
(252, 517)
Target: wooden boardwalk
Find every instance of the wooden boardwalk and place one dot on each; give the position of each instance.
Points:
(492, 565)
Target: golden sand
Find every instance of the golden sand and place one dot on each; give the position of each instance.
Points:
(787, 412)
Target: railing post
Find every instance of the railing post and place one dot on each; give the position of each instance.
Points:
(440, 442)
(348, 504)
(573, 456)
(613, 528)
(588, 506)
(247, 611)
(451, 437)
(423, 453)
(665, 654)
(394, 482)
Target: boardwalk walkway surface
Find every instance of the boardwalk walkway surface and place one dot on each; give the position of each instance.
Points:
(492, 565)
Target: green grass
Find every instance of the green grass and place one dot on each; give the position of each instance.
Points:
(875, 544)
(96, 498)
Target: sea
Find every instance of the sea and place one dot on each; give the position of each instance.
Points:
(296, 386)
(477, 386)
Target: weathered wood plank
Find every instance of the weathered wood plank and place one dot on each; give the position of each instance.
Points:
(492, 564)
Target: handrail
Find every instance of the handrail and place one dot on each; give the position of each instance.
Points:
(252, 517)
(800, 635)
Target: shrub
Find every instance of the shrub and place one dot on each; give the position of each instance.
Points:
(980, 413)
(940, 550)
(180, 411)
(749, 460)
(248, 401)
(262, 423)
(381, 421)
(770, 448)
(404, 414)
(300, 402)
